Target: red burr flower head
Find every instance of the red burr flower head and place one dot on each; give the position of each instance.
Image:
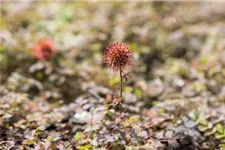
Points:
(117, 56)
(44, 50)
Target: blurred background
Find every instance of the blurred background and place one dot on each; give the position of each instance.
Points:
(157, 33)
(178, 50)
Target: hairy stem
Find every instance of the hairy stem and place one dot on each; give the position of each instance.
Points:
(121, 83)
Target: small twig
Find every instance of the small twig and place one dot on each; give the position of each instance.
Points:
(121, 83)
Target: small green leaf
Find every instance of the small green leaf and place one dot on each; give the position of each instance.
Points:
(220, 128)
(21, 148)
(127, 89)
(202, 128)
(114, 81)
(86, 147)
(138, 93)
(29, 142)
(49, 139)
(132, 118)
(194, 115)
(78, 136)
(39, 75)
(109, 115)
(203, 122)
(204, 60)
(128, 148)
(220, 136)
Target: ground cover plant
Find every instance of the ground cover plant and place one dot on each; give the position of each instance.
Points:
(112, 75)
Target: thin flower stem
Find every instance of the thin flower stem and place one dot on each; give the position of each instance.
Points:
(121, 83)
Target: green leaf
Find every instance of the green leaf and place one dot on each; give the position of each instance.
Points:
(138, 93)
(109, 115)
(39, 75)
(194, 115)
(128, 148)
(50, 139)
(198, 86)
(132, 118)
(127, 89)
(220, 128)
(78, 136)
(202, 128)
(86, 147)
(204, 60)
(203, 122)
(29, 142)
(222, 146)
(114, 81)
(220, 136)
